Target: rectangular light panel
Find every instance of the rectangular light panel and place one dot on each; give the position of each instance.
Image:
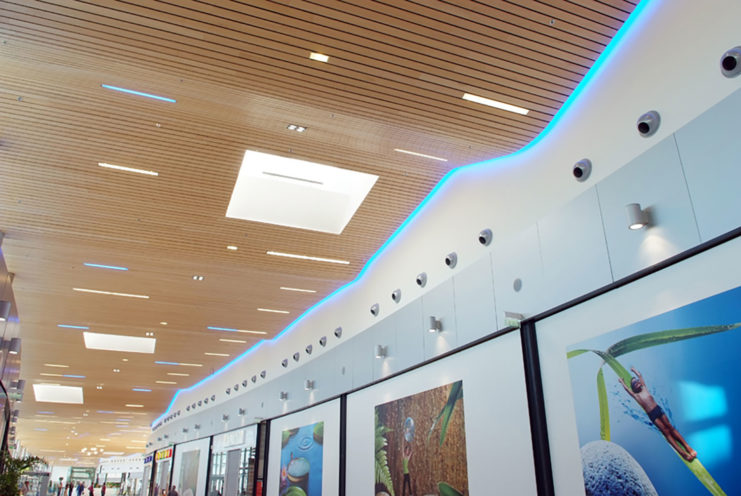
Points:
(297, 193)
(53, 393)
(114, 342)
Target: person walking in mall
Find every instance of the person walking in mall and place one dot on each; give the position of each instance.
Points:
(173, 492)
(80, 488)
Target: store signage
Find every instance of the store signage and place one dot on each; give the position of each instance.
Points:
(148, 459)
(163, 454)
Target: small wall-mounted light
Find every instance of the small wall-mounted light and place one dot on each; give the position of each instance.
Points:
(296, 356)
(242, 411)
(15, 346)
(185, 430)
(166, 436)
(309, 349)
(396, 295)
(253, 379)
(637, 217)
(228, 390)
(284, 395)
(236, 387)
(284, 363)
(374, 309)
(197, 426)
(338, 332)
(323, 341)
(513, 319)
(436, 325)
(308, 384)
(205, 401)
(244, 383)
(381, 351)
(4, 310)
(225, 417)
(263, 374)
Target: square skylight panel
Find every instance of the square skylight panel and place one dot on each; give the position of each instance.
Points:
(114, 342)
(54, 393)
(296, 193)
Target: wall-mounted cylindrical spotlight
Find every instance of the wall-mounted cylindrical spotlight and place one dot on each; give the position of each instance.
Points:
(284, 395)
(14, 347)
(436, 325)
(338, 332)
(374, 309)
(421, 279)
(637, 217)
(396, 295)
(323, 341)
(4, 310)
(308, 384)
(451, 259)
(730, 62)
(648, 123)
(284, 363)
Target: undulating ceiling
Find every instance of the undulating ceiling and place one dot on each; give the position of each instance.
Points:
(240, 74)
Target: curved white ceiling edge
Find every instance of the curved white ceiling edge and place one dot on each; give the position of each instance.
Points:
(667, 60)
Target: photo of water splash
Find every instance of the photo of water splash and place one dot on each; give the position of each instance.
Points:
(301, 460)
(687, 359)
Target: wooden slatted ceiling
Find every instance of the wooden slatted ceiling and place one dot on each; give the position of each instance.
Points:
(240, 73)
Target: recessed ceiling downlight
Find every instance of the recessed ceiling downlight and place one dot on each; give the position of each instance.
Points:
(114, 342)
(53, 393)
(297, 193)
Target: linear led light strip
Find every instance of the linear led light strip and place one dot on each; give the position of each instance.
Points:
(138, 93)
(128, 169)
(495, 104)
(416, 154)
(217, 354)
(179, 363)
(110, 293)
(298, 290)
(306, 257)
(229, 329)
(270, 310)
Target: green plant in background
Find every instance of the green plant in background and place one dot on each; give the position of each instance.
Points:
(640, 342)
(12, 470)
(456, 393)
(383, 474)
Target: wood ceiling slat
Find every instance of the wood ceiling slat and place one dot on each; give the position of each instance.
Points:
(422, 112)
(559, 10)
(491, 17)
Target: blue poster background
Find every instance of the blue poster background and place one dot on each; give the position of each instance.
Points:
(695, 381)
(302, 445)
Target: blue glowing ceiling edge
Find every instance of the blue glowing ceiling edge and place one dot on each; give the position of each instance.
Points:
(628, 25)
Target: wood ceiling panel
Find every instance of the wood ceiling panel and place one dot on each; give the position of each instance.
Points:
(240, 73)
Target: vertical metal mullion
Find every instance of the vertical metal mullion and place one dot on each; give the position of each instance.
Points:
(536, 407)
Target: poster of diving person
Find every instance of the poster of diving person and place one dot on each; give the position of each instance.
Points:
(420, 444)
(657, 403)
(301, 460)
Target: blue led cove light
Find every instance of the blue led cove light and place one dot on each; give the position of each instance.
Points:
(229, 329)
(99, 266)
(138, 93)
(143, 390)
(68, 326)
(166, 363)
(630, 23)
(73, 376)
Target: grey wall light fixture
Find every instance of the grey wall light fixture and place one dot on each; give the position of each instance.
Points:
(637, 217)
(284, 395)
(436, 325)
(381, 351)
(4, 310)
(308, 384)
(15, 346)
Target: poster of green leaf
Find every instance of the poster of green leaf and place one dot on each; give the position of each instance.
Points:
(656, 402)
